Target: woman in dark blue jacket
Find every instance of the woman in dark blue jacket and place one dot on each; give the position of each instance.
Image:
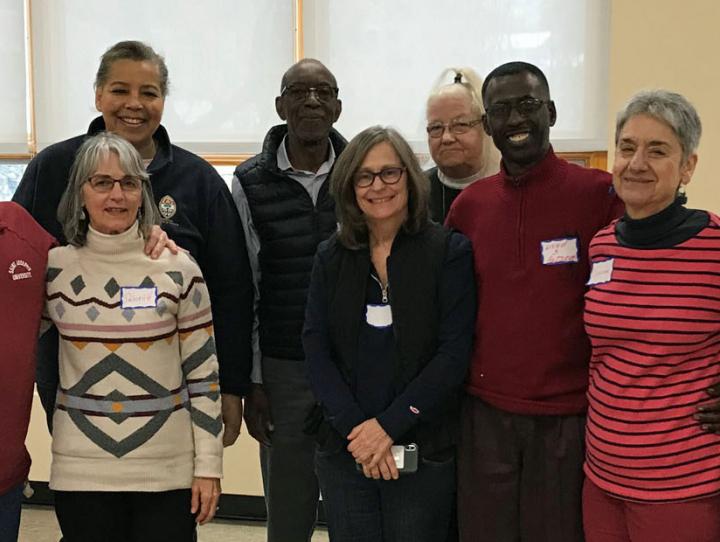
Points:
(388, 335)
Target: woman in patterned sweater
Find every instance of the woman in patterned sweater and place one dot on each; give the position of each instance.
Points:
(137, 438)
(653, 473)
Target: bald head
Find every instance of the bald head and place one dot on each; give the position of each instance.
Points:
(304, 65)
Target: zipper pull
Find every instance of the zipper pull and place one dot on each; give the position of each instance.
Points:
(384, 291)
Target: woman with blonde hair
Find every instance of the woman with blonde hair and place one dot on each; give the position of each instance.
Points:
(463, 153)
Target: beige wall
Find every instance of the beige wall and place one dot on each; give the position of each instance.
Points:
(674, 45)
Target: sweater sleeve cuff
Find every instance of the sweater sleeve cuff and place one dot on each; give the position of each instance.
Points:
(398, 420)
(347, 420)
(241, 390)
(208, 466)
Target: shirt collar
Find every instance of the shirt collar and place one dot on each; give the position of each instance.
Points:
(283, 161)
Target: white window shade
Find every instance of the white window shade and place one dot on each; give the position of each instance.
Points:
(225, 58)
(13, 120)
(387, 56)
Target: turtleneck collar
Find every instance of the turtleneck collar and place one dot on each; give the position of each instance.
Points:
(129, 241)
(673, 225)
(459, 184)
(543, 170)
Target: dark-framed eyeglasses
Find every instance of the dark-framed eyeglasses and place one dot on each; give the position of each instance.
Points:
(525, 106)
(104, 184)
(457, 127)
(300, 93)
(388, 175)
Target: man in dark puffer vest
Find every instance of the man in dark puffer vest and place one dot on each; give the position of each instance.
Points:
(283, 199)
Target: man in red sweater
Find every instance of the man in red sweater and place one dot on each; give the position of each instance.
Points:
(522, 444)
(23, 257)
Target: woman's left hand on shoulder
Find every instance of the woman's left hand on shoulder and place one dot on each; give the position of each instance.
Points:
(157, 241)
(205, 495)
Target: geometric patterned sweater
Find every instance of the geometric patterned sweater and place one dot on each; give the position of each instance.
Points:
(138, 405)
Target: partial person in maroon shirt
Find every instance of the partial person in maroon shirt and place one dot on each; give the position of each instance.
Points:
(522, 438)
(23, 257)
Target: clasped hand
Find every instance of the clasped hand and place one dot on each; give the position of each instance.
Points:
(370, 446)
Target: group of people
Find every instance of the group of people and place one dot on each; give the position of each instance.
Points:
(542, 367)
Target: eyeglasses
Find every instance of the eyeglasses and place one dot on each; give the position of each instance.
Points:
(526, 106)
(104, 184)
(457, 127)
(388, 175)
(298, 93)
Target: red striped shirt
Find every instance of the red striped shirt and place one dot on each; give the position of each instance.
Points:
(655, 334)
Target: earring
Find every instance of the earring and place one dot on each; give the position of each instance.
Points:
(140, 214)
(83, 216)
(682, 195)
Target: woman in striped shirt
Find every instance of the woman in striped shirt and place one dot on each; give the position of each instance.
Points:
(653, 469)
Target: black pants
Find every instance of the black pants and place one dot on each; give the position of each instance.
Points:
(100, 516)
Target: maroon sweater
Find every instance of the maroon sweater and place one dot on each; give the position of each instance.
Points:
(531, 353)
(23, 258)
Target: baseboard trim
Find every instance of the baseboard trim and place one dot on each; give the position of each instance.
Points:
(237, 507)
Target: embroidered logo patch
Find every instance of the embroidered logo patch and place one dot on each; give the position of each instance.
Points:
(20, 270)
(167, 207)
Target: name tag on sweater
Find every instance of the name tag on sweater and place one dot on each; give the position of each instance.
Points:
(601, 272)
(138, 298)
(379, 315)
(559, 251)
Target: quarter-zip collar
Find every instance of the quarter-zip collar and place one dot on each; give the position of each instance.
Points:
(542, 171)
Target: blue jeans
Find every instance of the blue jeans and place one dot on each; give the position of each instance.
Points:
(414, 508)
(10, 503)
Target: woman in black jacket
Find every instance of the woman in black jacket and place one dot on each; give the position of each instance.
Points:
(387, 337)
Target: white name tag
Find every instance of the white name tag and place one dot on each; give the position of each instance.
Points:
(559, 251)
(601, 272)
(398, 453)
(138, 298)
(379, 315)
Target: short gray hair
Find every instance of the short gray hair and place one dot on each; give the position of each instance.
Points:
(132, 50)
(71, 213)
(670, 108)
(353, 231)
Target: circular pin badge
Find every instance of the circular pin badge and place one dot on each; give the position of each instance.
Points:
(167, 207)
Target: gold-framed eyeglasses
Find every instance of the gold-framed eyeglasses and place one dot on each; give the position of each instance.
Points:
(388, 175)
(104, 183)
(300, 93)
(457, 127)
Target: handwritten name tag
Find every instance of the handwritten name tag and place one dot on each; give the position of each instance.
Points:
(559, 251)
(138, 298)
(379, 315)
(601, 272)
